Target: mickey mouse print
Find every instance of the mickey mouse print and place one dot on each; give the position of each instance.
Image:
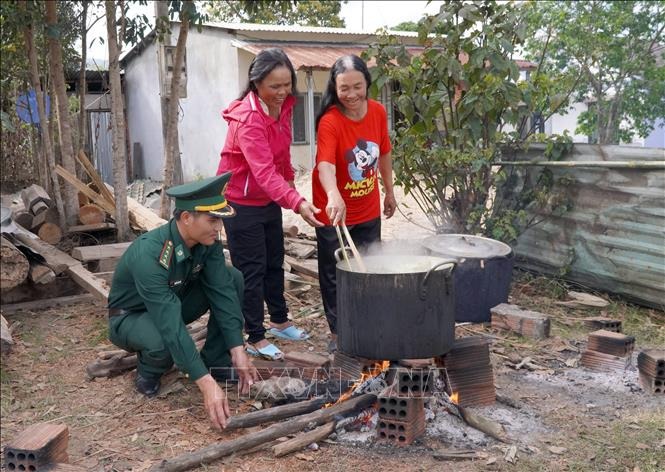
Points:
(355, 148)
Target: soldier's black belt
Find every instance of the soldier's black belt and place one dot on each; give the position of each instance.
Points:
(118, 312)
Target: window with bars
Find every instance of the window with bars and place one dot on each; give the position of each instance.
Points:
(300, 125)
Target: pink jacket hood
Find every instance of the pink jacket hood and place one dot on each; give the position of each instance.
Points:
(257, 152)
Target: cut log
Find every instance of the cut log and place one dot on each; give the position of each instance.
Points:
(215, 451)
(90, 228)
(35, 199)
(48, 216)
(276, 413)
(14, 266)
(139, 216)
(91, 214)
(37, 446)
(47, 303)
(304, 439)
(487, 426)
(51, 233)
(6, 341)
(102, 251)
(23, 218)
(41, 274)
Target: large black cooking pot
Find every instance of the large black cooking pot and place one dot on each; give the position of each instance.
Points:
(402, 307)
(482, 275)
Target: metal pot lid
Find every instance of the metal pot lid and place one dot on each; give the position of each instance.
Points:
(466, 246)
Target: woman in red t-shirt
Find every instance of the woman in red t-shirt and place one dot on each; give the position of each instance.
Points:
(352, 145)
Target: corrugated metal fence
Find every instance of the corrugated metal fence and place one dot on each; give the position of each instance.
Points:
(613, 239)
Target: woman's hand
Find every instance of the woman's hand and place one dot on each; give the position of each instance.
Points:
(336, 208)
(307, 211)
(389, 205)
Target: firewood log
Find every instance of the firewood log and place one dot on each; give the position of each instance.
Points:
(35, 199)
(14, 266)
(50, 233)
(91, 214)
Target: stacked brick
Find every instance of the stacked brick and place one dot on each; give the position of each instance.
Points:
(607, 350)
(40, 447)
(651, 366)
(469, 370)
(402, 407)
(350, 367)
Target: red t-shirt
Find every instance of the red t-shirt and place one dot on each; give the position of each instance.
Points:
(353, 147)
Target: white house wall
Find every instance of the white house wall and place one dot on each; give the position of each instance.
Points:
(144, 115)
(212, 84)
(557, 124)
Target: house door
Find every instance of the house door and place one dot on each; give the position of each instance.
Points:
(101, 140)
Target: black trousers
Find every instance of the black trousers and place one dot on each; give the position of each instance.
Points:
(256, 243)
(363, 234)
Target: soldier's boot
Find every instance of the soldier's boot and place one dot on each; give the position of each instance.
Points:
(147, 386)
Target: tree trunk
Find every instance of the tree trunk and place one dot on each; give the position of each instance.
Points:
(118, 124)
(58, 77)
(172, 111)
(43, 122)
(83, 128)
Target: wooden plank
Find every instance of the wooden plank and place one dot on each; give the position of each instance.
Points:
(41, 274)
(94, 176)
(303, 267)
(102, 251)
(90, 228)
(47, 303)
(57, 260)
(84, 189)
(139, 216)
(86, 279)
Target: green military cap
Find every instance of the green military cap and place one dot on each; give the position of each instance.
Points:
(205, 195)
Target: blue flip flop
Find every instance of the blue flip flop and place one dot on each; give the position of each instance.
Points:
(291, 333)
(270, 352)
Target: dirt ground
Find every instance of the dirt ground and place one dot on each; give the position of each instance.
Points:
(561, 417)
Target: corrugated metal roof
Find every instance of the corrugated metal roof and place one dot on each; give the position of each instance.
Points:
(303, 29)
(311, 56)
(613, 239)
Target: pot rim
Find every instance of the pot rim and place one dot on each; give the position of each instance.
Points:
(439, 263)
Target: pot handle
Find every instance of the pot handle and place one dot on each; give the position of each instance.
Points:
(423, 285)
(338, 253)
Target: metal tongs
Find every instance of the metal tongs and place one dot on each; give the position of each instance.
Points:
(354, 250)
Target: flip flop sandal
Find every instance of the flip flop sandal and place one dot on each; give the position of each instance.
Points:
(269, 352)
(291, 333)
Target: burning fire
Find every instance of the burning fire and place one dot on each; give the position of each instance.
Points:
(455, 398)
(373, 371)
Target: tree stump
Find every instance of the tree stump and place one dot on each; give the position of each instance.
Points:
(14, 266)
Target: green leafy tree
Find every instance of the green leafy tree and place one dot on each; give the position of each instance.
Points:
(460, 105)
(612, 45)
(293, 12)
(405, 26)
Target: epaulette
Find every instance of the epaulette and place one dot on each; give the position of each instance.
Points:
(167, 254)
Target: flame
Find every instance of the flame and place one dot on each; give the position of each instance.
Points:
(455, 398)
(373, 371)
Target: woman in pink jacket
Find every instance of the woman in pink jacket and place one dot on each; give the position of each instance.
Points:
(257, 152)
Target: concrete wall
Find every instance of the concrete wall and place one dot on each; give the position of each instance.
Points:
(144, 116)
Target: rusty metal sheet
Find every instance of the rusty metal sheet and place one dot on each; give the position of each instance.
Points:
(613, 239)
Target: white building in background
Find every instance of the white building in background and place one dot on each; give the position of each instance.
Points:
(217, 61)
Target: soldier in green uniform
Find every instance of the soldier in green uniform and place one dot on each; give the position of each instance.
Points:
(171, 276)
